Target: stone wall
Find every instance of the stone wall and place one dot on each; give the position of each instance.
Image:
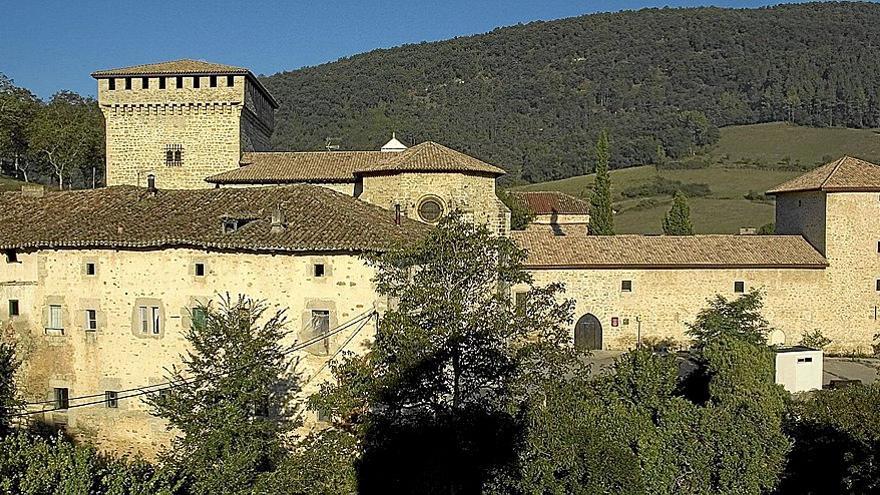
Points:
(119, 356)
(803, 214)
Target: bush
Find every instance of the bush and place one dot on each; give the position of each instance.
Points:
(692, 163)
(815, 339)
(661, 186)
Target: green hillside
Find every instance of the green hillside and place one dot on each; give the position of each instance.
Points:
(532, 98)
(9, 184)
(750, 158)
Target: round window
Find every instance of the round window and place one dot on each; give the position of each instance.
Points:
(430, 210)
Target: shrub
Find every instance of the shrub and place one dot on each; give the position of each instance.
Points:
(815, 339)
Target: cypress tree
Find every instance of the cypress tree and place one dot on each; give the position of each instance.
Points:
(678, 219)
(601, 220)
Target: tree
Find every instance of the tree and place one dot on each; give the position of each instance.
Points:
(450, 365)
(10, 402)
(740, 318)
(68, 134)
(601, 214)
(678, 219)
(18, 107)
(229, 401)
(520, 214)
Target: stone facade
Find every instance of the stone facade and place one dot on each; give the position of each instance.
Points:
(210, 125)
(119, 356)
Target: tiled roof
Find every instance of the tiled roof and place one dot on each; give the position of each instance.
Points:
(317, 219)
(287, 167)
(844, 174)
(576, 249)
(279, 167)
(432, 157)
(549, 202)
(184, 66)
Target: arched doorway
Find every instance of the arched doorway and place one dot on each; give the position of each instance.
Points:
(588, 333)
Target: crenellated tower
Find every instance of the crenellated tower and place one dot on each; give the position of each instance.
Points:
(181, 121)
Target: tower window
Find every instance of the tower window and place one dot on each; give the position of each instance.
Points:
(200, 269)
(62, 398)
(626, 286)
(878, 285)
(91, 319)
(321, 326)
(150, 319)
(127, 83)
(230, 81)
(213, 81)
(161, 83)
(91, 269)
(112, 399)
(111, 84)
(197, 81)
(739, 287)
(145, 83)
(14, 309)
(55, 322)
(319, 269)
(179, 82)
(173, 155)
(11, 256)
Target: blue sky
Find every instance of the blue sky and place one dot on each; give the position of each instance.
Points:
(47, 46)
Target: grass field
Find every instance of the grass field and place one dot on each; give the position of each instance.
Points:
(9, 184)
(746, 158)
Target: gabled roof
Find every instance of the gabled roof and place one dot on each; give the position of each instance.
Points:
(288, 167)
(548, 249)
(550, 202)
(317, 219)
(844, 174)
(187, 67)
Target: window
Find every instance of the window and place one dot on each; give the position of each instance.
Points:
(11, 256)
(14, 310)
(161, 83)
(213, 81)
(321, 326)
(144, 318)
(878, 285)
(55, 317)
(173, 155)
(319, 269)
(739, 287)
(179, 82)
(199, 318)
(62, 398)
(111, 84)
(91, 319)
(520, 301)
(91, 269)
(200, 269)
(127, 83)
(626, 286)
(111, 398)
(805, 360)
(145, 82)
(230, 81)
(323, 415)
(197, 81)
(430, 210)
(154, 311)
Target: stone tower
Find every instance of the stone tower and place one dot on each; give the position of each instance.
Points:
(181, 121)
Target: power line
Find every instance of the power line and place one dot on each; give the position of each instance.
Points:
(363, 317)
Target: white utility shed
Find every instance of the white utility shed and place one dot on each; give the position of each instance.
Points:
(799, 368)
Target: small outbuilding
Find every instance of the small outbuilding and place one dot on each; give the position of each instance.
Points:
(799, 368)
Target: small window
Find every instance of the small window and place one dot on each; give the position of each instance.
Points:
(161, 83)
(230, 225)
(111, 84)
(62, 398)
(321, 325)
(178, 156)
(127, 83)
(145, 82)
(739, 287)
(173, 155)
(200, 269)
(197, 81)
(11, 256)
(520, 301)
(144, 319)
(111, 398)
(213, 81)
(319, 269)
(230, 81)
(154, 311)
(805, 360)
(91, 269)
(626, 286)
(178, 83)
(878, 285)
(14, 310)
(199, 317)
(55, 322)
(91, 319)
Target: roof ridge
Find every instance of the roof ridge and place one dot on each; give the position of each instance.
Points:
(834, 169)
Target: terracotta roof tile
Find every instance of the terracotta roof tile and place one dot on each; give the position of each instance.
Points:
(549, 202)
(576, 249)
(185, 66)
(844, 174)
(317, 219)
(288, 167)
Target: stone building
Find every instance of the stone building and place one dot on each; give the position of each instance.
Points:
(99, 286)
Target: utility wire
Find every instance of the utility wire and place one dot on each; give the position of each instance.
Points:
(174, 384)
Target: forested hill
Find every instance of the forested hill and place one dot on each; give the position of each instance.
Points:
(532, 98)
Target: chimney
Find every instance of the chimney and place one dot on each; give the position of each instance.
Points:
(151, 184)
(279, 222)
(748, 231)
(397, 214)
(33, 190)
